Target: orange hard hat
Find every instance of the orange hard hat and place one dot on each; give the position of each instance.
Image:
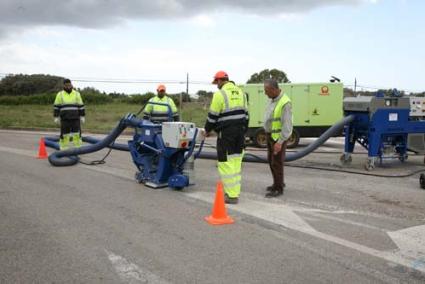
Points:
(220, 75)
(161, 87)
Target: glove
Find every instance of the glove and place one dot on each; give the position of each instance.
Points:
(82, 119)
(56, 120)
(203, 133)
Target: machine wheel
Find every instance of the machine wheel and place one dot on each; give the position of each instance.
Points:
(294, 140)
(370, 165)
(260, 139)
(422, 181)
(138, 177)
(345, 160)
(403, 158)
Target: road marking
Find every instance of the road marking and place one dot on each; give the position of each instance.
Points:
(102, 169)
(130, 272)
(282, 215)
(409, 240)
(19, 151)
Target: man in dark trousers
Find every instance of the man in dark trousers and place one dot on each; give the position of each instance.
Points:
(69, 108)
(278, 128)
(228, 117)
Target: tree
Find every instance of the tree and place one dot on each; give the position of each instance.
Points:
(25, 85)
(276, 74)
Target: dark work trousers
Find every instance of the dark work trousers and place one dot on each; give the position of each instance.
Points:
(230, 145)
(70, 126)
(276, 163)
(230, 140)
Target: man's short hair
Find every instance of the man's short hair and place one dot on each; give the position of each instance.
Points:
(272, 83)
(65, 81)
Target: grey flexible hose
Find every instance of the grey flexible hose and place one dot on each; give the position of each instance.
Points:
(69, 157)
(332, 131)
(58, 158)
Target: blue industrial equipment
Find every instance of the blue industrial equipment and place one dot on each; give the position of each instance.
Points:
(160, 162)
(159, 151)
(381, 125)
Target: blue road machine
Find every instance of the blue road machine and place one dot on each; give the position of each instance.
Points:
(386, 126)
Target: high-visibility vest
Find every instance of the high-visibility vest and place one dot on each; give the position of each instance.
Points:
(69, 105)
(277, 115)
(229, 106)
(160, 112)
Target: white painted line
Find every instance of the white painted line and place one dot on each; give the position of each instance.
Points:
(411, 241)
(21, 152)
(130, 272)
(106, 170)
(282, 215)
(275, 213)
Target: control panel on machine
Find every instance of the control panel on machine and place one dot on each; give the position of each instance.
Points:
(178, 134)
(417, 106)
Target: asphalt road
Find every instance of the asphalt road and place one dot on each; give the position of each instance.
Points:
(95, 224)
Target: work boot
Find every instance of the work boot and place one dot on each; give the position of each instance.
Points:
(76, 139)
(274, 193)
(271, 188)
(64, 142)
(230, 200)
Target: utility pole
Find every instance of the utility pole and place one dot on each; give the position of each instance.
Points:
(355, 86)
(181, 96)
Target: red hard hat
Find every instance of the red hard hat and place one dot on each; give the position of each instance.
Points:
(220, 75)
(161, 88)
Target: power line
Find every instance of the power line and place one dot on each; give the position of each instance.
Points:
(383, 88)
(183, 82)
(126, 81)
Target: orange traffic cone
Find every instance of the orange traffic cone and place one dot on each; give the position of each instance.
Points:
(219, 215)
(42, 153)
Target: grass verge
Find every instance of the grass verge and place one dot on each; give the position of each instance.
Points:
(99, 118)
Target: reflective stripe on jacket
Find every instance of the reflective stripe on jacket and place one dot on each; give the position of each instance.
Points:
(277, 116)
(68, 105)
(159, 113)
(228, 107)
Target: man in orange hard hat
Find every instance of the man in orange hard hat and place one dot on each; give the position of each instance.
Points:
(160, 113)
(228, 117)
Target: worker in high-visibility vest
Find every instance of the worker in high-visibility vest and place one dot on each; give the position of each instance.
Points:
(228, 117)
(278, 128)
(69, 110)
(159, 113)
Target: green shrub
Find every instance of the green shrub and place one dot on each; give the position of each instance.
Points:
(43, 99)
(94, 98)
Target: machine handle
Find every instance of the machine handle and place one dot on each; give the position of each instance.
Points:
(169, 113)
(159, 152)
(199, 150)
(192, 147)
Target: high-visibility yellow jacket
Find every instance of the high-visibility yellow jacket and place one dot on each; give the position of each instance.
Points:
(159, 113)
(68, 105)
(277, 117)
(229, 107)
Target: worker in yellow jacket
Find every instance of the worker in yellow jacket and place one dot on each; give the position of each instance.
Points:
(159, 113)
(69, 110)
(228, 117)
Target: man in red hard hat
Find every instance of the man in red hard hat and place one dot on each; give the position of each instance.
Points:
(228, 117)
(159, 113)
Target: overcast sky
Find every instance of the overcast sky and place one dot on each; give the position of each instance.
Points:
(379, 42)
